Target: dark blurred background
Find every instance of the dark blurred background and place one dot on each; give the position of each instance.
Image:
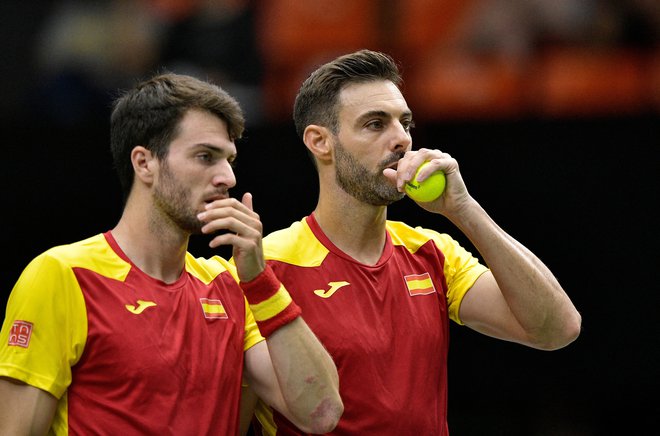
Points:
(551, 107)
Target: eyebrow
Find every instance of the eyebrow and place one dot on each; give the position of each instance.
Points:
(216, 149)
(381, 114)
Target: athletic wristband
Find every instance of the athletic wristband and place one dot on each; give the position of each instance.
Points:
(270, 302)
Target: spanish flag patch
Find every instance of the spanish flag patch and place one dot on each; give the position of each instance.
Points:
(213, 309)
(419, 284)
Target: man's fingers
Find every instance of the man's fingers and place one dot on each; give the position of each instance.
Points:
(247, 226)
(240, 242)
(229, 208)
(247, 200)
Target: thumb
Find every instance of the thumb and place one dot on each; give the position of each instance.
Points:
(390, 174)
(247, 200)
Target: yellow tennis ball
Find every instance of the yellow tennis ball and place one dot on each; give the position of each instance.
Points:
(429, 189)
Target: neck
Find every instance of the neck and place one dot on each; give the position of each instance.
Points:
(156, 247)
(356, 228)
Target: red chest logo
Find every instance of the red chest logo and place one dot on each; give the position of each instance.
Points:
(20, 334)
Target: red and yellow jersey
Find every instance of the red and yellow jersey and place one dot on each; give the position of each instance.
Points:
(125, 353)
(386, 326)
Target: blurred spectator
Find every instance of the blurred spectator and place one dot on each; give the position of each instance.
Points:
(523, 27)
(478, 51)
(89, 48)
(86, 50)
(512, 58)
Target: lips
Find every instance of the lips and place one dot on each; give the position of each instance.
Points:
(214, 198)
(394, 165)
(394, 161)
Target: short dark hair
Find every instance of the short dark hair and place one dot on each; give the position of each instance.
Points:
(317, 101)
(150, 112)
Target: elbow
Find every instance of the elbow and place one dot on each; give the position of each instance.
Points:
(571, 329)
(325, 417)
(567, 332)
(575, 327)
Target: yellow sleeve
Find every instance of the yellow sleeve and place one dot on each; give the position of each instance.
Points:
(252, 334)
(461, 270)
(45, 326)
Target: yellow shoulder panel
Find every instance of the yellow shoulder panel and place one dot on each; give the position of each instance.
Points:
(208, 269)
(94, 254)
(412, 238)
(295, 245)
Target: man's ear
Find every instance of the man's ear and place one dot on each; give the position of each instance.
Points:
(318, 141)
(144, 164)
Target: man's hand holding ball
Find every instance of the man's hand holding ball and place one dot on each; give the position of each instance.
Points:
(427, 190)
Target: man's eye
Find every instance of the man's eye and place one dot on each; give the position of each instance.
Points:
(408, 125)
(206, 157)
(377, 124)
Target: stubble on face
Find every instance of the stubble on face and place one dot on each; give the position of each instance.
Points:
(356, 179)
(171, 199)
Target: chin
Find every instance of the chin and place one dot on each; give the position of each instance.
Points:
(386, 201)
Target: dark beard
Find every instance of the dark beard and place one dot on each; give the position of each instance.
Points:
(171, 200)
(356, 180)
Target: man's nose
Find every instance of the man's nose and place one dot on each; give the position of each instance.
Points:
(224, 175)
(402, 140)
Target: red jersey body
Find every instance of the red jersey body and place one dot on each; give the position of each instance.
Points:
(386, 326)
(125, 353)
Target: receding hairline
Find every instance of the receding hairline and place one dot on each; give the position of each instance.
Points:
(318, 98)
(370, 101)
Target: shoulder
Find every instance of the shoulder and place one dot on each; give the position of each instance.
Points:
(296, 245)
(207, 270)
(76, 253)
(413, 238)
(93, 253)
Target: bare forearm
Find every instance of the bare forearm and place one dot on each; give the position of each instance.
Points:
(532, 293)
(307, 377)
(295, 372)
(24, 410)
